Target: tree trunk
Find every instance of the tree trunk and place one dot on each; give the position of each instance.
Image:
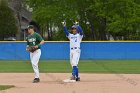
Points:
(102, 29)
(92, 31)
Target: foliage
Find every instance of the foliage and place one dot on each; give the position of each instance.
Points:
(100, 19)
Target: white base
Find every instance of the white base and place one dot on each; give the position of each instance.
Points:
(69, 81)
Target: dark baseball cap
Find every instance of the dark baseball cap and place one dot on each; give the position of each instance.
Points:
(30, 27)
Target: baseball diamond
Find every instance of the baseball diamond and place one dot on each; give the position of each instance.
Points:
(69, 46)
(19, 74)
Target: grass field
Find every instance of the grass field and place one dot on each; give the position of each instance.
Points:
(63, 66)
(4, 87)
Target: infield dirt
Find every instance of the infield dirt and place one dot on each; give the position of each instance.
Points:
(90, 83)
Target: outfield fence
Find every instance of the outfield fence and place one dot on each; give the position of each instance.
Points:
(60, 50)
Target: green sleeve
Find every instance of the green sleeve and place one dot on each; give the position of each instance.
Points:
(39, 38)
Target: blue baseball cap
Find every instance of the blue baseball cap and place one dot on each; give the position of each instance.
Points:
(74, 27)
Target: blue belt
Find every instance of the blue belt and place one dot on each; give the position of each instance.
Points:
(75, 48)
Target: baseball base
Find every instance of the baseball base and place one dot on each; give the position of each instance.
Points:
(69, 81)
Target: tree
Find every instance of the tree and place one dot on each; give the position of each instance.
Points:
(123, 18)
(8, 26)
(99, 18)
(49, 14)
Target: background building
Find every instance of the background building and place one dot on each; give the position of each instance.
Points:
(23, 16)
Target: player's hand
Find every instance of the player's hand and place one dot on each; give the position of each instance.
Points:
(64, 23)
(27, 49)
(76, 23)
(36, 47)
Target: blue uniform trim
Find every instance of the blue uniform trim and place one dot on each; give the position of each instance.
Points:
(80, 30)
(75, 71)
(66, 31)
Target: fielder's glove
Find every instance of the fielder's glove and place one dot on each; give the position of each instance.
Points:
(31, 49)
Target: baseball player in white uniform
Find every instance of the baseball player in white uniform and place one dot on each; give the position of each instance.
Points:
(34, 40)
(75, 39)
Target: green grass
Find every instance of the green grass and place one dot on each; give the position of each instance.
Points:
(85, 66)
(4, 87)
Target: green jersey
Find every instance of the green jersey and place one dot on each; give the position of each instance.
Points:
(34, 39)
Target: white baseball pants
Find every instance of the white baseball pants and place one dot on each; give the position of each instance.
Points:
(35, 56)
(74, 56)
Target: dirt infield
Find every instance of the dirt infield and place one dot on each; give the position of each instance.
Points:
(90, 83)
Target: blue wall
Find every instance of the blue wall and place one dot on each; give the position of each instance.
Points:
(60, 50)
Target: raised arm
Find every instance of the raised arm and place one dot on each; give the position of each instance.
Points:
(66, 31)
(80, 30)
(65, 28)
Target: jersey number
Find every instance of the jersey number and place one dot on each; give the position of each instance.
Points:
(76, 40)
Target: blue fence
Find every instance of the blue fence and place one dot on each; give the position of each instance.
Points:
(60, 50)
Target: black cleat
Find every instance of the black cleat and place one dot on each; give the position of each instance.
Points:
(78, 79)
(36, 80)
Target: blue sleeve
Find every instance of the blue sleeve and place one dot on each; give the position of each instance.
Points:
(66, 31)
(80, 30)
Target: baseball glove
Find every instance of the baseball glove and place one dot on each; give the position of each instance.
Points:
(31, 49)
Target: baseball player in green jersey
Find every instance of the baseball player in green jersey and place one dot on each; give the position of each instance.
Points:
(34, 42)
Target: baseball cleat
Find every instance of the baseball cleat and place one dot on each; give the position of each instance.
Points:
(36, 80)
(78, 79)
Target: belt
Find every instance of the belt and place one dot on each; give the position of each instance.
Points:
(75, 48)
